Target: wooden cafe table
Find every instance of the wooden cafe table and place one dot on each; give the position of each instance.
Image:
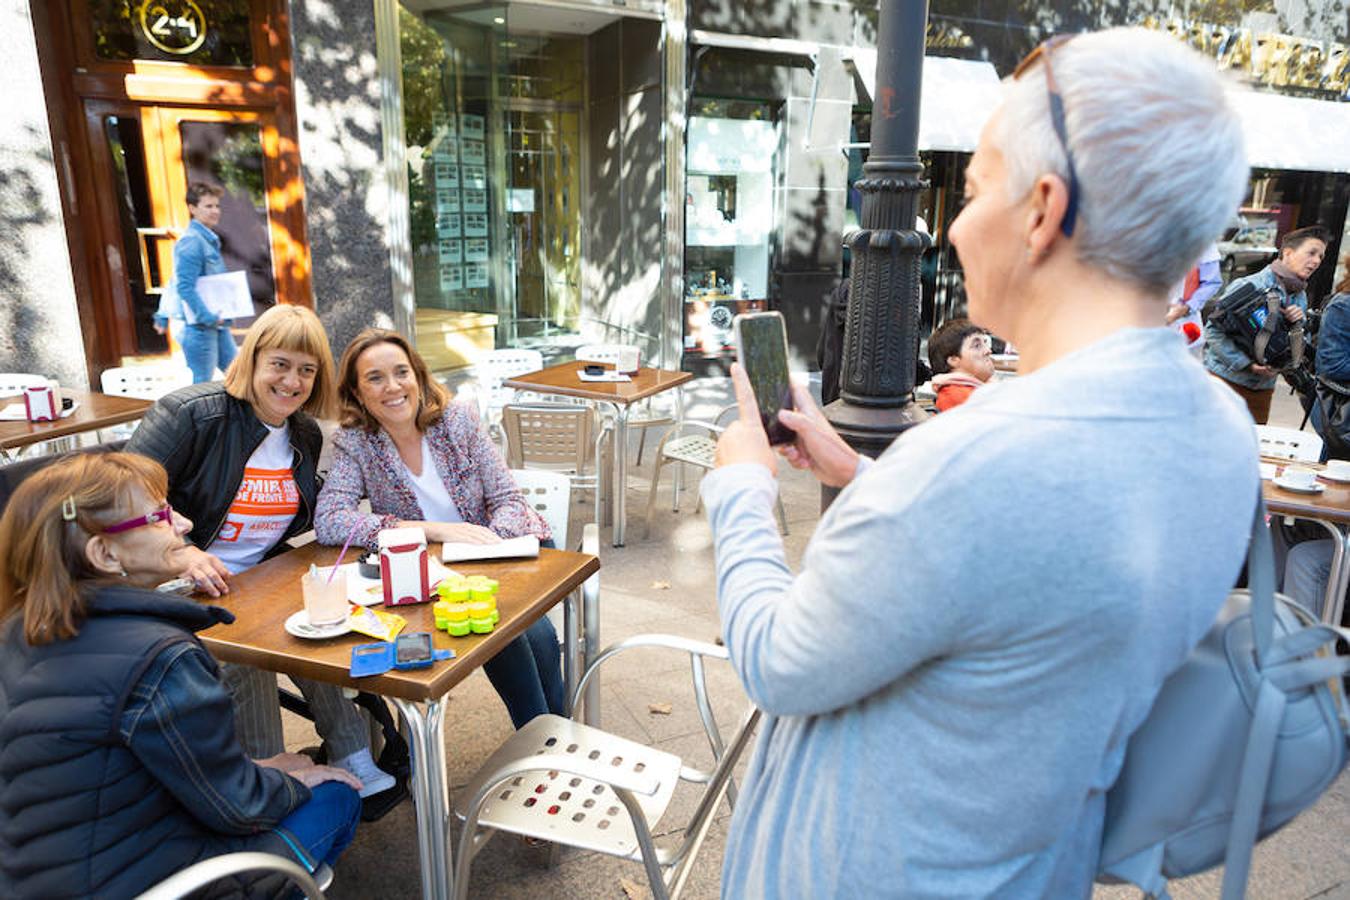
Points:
(265, 595)
(94, 411)
(1329, 508)
(620, 396)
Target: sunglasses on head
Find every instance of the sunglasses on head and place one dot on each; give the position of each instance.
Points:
(1042, 55)
(163, 514)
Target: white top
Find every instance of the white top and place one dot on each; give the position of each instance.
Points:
(264, 505)
(432, 496)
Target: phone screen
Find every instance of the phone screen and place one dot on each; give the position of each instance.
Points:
(761, 348)
(411, 648)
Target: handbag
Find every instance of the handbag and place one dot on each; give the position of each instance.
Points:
(1246, 734)
(1333, 406)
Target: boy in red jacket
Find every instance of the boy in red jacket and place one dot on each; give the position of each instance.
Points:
(962, 357)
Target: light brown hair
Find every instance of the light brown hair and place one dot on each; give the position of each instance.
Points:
(43, 567)
(294, 329)
(432, 398)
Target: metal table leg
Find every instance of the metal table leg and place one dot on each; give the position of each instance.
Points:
(679, 423)
(590, 623)
(1337, 576)
(574, 658)
(426, 724)
(620, 472)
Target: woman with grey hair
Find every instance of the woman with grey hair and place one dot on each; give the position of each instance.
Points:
(987, 611)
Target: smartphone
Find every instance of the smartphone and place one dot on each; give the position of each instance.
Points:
(761, 349)
(413, 650)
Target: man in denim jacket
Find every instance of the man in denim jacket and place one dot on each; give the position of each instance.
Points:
(1301, 252)
(206, 340)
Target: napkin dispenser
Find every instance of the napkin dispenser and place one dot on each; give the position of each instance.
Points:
(42, 403)
(403, 566)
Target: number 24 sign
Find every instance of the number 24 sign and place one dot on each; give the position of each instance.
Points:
(174, 26)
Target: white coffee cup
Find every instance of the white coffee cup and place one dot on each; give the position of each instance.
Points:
(628, 361)
(1298, 477)
(1339, 469)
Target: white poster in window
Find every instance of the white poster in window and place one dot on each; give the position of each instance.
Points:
(450, 251)
(474, 152)
(476, 275)
(471, 126)
(475, 224)
(475, 177)
(476, 250)
(447, 225)
(520, 200)
(452, 278)
(444, 148)
(475, 200)
(447, 200)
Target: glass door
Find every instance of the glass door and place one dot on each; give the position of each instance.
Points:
(144, 159)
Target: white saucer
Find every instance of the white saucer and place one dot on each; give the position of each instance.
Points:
(298, 625)
(1313, 488)
(1335, 479)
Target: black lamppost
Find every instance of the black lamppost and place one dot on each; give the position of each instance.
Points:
(881, 336)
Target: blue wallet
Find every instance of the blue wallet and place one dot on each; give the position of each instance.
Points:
(376, 659)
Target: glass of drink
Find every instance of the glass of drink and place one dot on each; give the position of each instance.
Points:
(325, 600)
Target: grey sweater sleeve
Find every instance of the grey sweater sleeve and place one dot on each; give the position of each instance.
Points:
(822, 640)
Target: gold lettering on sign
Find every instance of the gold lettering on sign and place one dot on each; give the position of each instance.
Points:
(1277, 60)
(944, 36)
(174, 26)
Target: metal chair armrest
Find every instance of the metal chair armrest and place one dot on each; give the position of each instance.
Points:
(203, 873)
(694, 648)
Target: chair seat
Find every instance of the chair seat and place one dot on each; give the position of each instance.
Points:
(695, 449)
(568, 809)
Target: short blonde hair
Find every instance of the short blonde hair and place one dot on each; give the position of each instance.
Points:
(431, 397)
(294, 329)
(43, 568)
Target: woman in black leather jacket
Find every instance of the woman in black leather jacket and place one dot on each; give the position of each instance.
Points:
(242, 462)
(120, 766)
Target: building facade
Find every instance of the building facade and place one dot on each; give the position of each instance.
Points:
(545, 173)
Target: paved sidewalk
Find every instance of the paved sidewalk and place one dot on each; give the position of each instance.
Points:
(665, 584)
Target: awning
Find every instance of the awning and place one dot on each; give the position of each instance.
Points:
(1285, 132)
(959, 95)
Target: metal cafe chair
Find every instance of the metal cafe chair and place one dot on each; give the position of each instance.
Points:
(560, 781)
(1289, 443)
(559, 437)
(199, 875)
(697, 450)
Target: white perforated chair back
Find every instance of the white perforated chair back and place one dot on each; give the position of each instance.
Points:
(494, 367)
(550, 495)
(12, 383)
(145, 382)
(1289, 443)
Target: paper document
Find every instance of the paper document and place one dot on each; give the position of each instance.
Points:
(607, 375)
(226, 296)
(513, 548)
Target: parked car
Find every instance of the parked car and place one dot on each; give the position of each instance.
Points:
(1247, 244)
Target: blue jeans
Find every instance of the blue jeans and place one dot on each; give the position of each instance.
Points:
(207, 348)
(527, 673)
(327, 823)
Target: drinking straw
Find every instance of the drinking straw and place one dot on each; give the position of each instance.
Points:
(343, 552)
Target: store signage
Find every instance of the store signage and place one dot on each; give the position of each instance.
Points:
(174, 26)
(1276, 60)
(944, 36)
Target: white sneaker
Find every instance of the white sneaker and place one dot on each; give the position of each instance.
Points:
(374, 780)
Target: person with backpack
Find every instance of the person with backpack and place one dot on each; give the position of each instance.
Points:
(988, 610)
(1301, 253)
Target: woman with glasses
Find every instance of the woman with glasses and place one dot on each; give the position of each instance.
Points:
(987, 610)
(241, 459)
(120, 765)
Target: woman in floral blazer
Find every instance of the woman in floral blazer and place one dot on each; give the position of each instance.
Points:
(422, 460)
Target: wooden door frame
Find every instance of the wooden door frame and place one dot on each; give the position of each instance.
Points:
(71, 77)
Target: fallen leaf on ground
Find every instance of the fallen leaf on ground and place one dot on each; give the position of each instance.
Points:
(633, 890)
(660, 585)
(659, 709)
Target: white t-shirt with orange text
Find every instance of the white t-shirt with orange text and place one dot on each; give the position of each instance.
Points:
(263, 507)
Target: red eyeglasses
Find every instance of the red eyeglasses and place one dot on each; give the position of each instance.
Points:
(1042, 55)
(163, 514)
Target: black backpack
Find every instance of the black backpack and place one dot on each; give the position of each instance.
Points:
(1252, 318)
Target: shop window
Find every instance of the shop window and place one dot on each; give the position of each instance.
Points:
(731, 146)
(199, 32)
